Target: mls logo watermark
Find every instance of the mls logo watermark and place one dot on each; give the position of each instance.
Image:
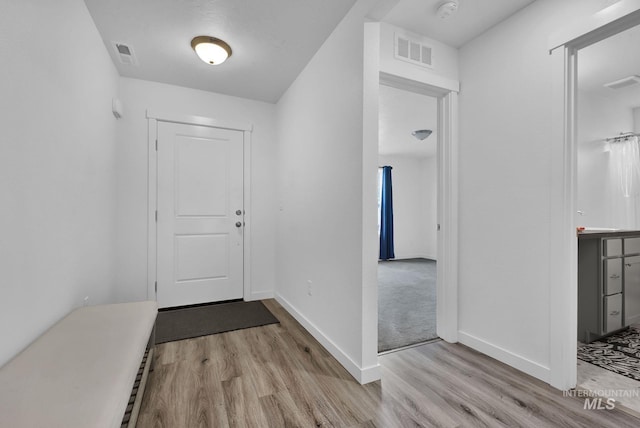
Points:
(602, 399)
(599, 403)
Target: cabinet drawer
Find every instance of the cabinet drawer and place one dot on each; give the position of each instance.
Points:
(632, 245)
(612, 247)
(612, 313)
(612, 280)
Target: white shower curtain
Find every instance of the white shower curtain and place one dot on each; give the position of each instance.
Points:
(625, 181)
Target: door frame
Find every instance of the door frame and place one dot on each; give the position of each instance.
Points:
(447, 199)
(446, 90)
(563, 313)
(153, 118)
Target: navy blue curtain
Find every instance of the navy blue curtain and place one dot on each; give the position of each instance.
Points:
(386, 216)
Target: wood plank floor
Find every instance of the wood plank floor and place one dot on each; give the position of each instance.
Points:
(598, 380)
(279, 376)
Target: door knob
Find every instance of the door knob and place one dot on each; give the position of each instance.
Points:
(238, 212)
(238, 224)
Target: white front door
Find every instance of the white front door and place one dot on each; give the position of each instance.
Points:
(200, 214)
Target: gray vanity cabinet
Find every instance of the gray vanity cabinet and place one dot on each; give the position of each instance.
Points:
(632, 290)
(608, 269)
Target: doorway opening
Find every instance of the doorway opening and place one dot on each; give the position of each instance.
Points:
(608, 218)
(446, 92)
(407, 218)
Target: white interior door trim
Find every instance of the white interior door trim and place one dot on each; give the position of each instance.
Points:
(447, 253)
(447, 268)
(580, 33)
(563, 309)
(152, 206)
(152, 167)
(199, 120)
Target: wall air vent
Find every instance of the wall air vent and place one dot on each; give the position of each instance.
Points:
(623, 83)
(413, 51)
(124, 53)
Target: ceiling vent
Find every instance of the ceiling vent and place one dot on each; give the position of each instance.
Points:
(623, 83)
(124, 53)
(413, 51)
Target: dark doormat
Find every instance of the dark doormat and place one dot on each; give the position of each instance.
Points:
(619, 353)
(184, 323)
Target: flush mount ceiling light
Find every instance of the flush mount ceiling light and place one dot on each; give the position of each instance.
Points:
(421, 134)
(211, 50)
(447, 9)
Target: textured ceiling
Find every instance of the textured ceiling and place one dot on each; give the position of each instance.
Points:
(473, 18)
(272, 40)
(610, 60)
(402, 112)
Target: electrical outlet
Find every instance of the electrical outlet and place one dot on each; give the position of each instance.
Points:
(85, 301)
(309, 287)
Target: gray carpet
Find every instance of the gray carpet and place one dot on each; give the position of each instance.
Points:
(184, 323)
(406, 302)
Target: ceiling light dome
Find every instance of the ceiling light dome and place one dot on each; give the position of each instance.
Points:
(211, 50)
(421, 134)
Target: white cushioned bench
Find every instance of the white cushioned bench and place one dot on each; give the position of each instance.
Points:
(80, 372)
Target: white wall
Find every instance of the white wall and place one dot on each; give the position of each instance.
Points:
(400, 113)
(445, 59)
(320, 136)
(599, 197)
(138, 96)
(414, 205)
(57, 167)
(506, 185)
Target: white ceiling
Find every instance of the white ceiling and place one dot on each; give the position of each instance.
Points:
(473, 18)
(402, 112)
(610, 60)
(272, 40)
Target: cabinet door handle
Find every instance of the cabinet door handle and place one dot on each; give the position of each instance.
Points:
(614, 313)
(615, 276)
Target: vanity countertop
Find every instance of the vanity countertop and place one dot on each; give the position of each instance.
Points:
(606, 233)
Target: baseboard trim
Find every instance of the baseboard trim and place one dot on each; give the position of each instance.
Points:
(361, 374)
(417, 256)
(260, 295)
(633, 320)
(514, 360)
